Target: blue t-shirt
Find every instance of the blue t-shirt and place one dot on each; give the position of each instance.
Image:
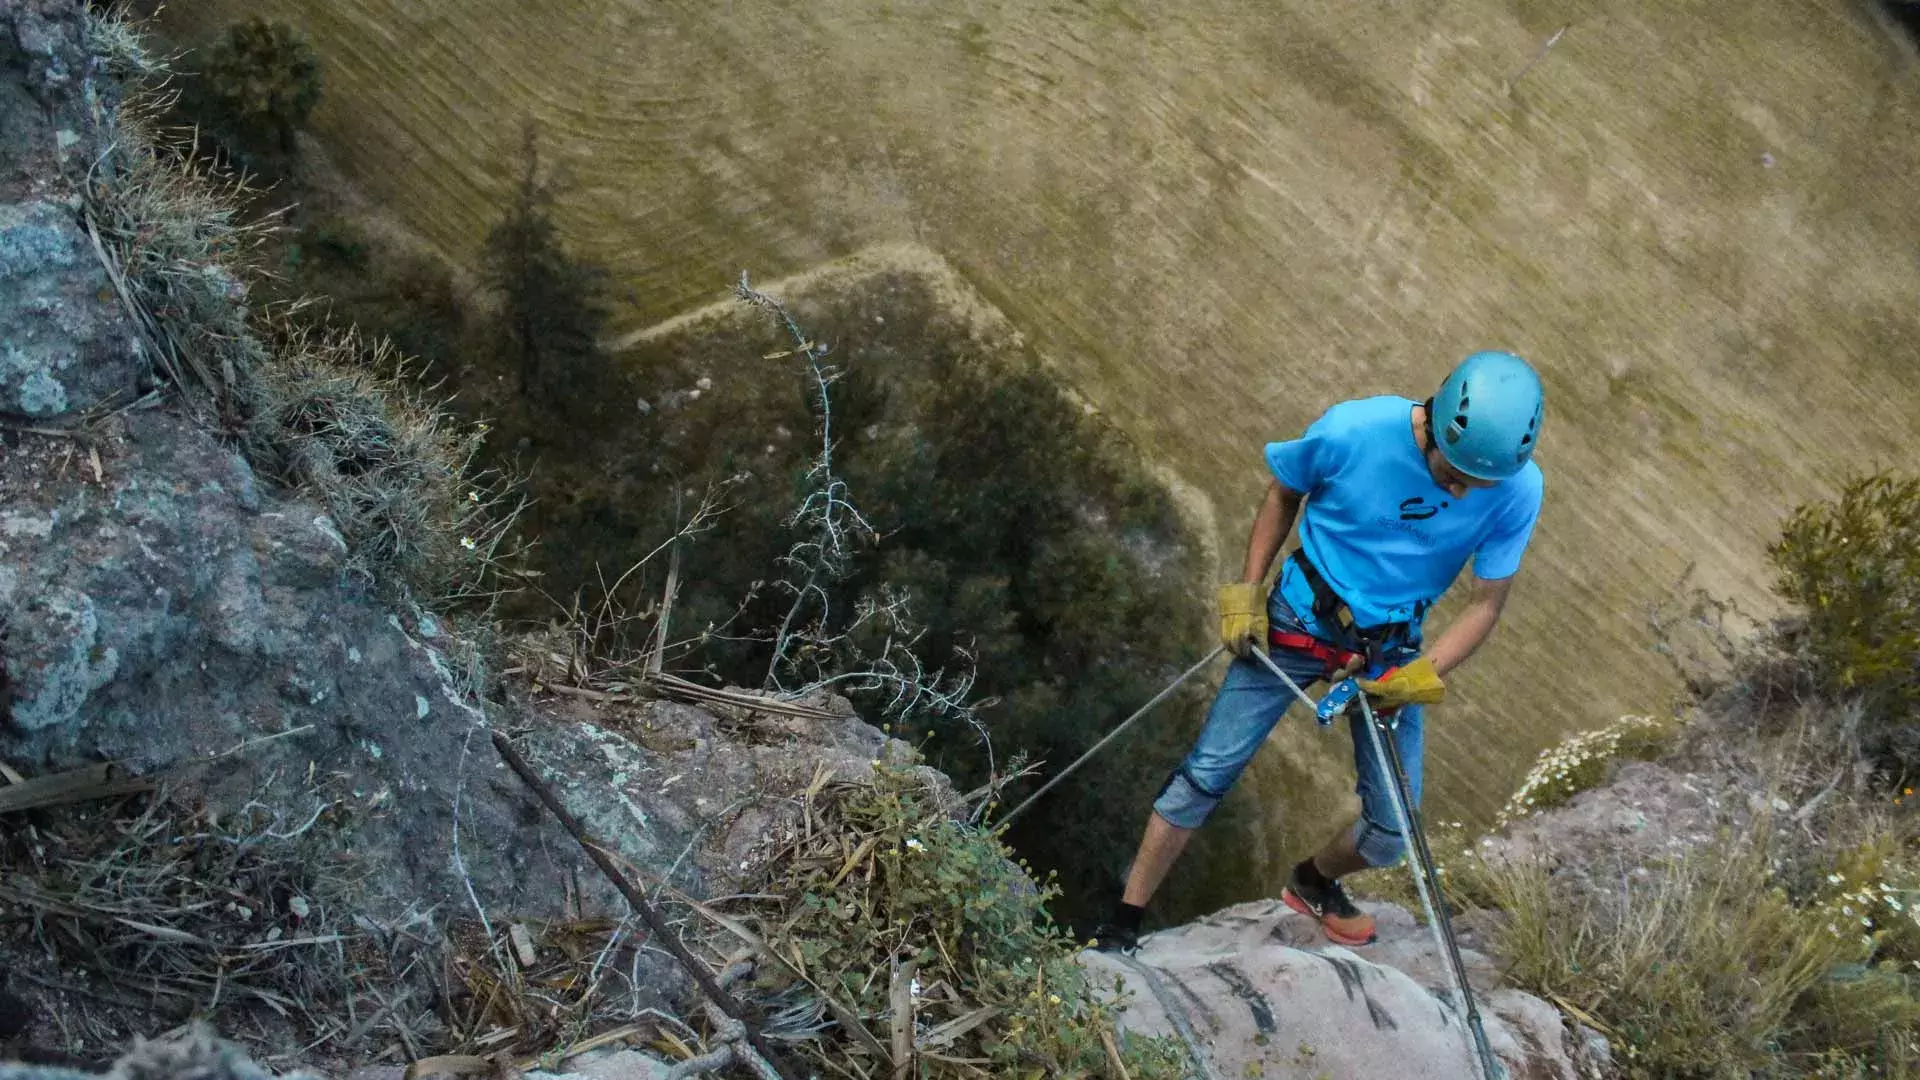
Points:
(1382, 533)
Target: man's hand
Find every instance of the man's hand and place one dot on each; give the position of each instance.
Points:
(1243, 618)
(1416, 683)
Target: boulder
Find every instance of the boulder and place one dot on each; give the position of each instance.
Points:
(1257, 990)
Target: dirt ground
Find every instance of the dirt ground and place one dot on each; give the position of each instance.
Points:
(1219, 217)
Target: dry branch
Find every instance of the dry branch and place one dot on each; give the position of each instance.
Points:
(103, 781)
(663, 934)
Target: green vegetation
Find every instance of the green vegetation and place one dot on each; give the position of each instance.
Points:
(1715, 969)
(553, 307)
(1787, 944)
(1853, 566)
(253, 90)
(405, 297)
(886, 900)
(1582, 761)
(1028, 546)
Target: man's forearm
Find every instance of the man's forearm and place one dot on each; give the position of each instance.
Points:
(1468, 632)
(1270, 529)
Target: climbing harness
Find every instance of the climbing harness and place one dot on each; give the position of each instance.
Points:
(1343, 697)
(1335, 615)
(1115, 733)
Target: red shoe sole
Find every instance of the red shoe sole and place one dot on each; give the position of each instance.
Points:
(1288, 898)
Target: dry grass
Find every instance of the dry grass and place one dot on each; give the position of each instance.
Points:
(1785, 946)
(157, 911)
(175, 236)
(396, 473)
(918, 942)
(315, 407)
(194, 915)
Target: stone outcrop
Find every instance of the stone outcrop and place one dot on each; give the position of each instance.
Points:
(1257, 990)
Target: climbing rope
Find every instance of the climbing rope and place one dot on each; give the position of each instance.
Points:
(1115, 733)
(1386, 756)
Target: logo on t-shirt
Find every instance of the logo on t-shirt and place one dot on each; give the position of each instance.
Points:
(1417, 509)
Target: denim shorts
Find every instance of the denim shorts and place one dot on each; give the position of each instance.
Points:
(1250, 701)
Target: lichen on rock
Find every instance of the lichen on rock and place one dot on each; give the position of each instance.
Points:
(64, 350)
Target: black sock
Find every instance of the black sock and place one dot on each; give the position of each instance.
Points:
(1127, 917)
(1311, 876)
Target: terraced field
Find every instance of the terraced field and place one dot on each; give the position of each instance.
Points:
(1217, 217)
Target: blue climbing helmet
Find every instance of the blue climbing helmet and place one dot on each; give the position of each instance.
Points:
(1486, 415)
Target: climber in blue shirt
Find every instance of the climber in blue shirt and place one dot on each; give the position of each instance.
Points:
(1398, 495)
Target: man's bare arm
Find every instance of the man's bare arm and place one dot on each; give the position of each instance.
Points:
(1270, 529)
(1467, 632)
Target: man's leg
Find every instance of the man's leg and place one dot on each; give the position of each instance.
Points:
(1372, 840)
(1159, 849)
(1376, 838)
(1250, 701)
(1339, 856)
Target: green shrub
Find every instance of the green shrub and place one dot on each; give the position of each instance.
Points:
(884, 880)
(1024, 531)
(554, 307)
(1852, 564)
(1582, 761)
(253, 90)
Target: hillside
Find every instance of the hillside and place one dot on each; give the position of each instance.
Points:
(280, 795)
(1218, 218)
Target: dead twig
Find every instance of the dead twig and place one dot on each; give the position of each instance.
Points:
(663, 933)
(900, 996)
(104, 781)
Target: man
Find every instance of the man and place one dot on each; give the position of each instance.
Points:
(1398, 496)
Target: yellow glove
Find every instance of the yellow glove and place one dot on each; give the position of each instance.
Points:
(1416, 683)
(1243, 618)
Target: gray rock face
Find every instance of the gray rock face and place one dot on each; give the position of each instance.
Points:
(165, 611)
(61, 348)
(46, 41)
(1258, 991)
(65, 343)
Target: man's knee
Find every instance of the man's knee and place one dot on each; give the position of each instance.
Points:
(1184, 802)
(1377, 844)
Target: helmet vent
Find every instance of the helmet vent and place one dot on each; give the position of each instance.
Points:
(1461, 420)
(1525, 439)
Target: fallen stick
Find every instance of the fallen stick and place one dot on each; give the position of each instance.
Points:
(663, 934)
(102, 781)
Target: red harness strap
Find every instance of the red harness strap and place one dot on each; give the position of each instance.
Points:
(1335, 658)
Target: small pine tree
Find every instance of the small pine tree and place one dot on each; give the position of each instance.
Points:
(255, 90)
(554, 308)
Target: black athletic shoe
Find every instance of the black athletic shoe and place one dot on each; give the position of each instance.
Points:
(1344, 923)
(1108, 937)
